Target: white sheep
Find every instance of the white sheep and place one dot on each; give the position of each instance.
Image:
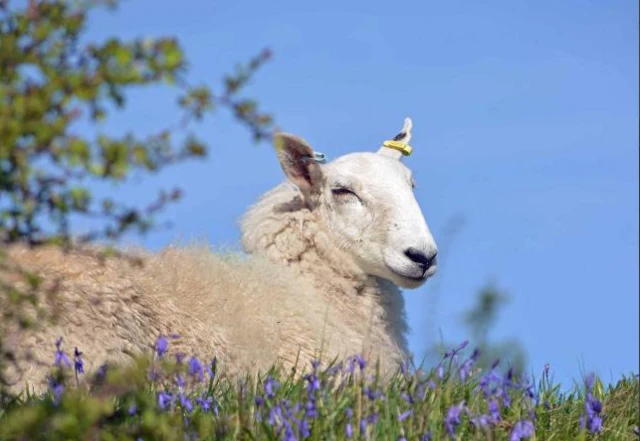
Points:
(328, 250)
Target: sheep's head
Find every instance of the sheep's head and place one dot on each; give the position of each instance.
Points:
(366, 201)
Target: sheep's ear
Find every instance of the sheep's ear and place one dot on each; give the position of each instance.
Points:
(297, 160)
(399, 145)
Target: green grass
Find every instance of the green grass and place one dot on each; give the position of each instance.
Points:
(328, 403)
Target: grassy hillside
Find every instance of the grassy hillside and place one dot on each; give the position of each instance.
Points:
(158, 398)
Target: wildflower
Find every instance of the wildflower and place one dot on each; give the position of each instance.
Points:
(315, 364)
(593, 407)
(371, 394)
(481, 420)
(522, 430)
(361, 362)
(352, 365)
(494, 411)
(196, 369)
(426, 436)
(458, 349)
(310, 409)
(180, 381)
(304, 430)
(349, 430)
(314, 382)
(467, 366)
(61, 357)
(57, 389)
(186, 403)
(489, 383)
(270, 386)
(452, 419)
(78, 364)
(133, 409)
(164, 400)
(161, 346)
(403, 416)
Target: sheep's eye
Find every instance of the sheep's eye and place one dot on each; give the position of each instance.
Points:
(343, 192)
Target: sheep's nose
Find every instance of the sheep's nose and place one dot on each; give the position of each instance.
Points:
(421, 258)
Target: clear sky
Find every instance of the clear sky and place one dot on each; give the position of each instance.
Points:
(525, 124)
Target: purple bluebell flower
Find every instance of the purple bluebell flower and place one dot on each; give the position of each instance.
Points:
(204, 403)
(467, 366)
(404, 415)
(133, 409)
(162, 344)
(180, 381)
(186, 403)
(57, 389)
(426, 436)
(165, 400)
(315, 364)
(270, 386)
(361, 362)
(352, 365)
(453, 352)
(195, 369)
(304, 429)
(593, 407)
(61, 357)
(314, 382)
(589, 381)
(523, 429)
(348, 430)
(490, 383)
(452, 419)
(481, 420)
(348, 412)
(78, 364)
(494, 411)
(371, 394)
(310, 409)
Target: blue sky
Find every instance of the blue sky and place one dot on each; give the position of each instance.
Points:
(525, 124)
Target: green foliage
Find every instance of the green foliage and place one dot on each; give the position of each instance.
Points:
(334, 402)
(49, 81)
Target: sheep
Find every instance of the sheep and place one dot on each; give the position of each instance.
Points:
(327, 252)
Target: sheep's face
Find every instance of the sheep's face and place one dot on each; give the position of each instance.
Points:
(366, 201)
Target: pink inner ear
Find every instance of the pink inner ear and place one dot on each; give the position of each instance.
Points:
(295, 167)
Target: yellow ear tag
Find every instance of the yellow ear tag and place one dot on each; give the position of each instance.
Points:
(406, 149)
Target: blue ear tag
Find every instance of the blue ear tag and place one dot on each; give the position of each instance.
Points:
(317, 157)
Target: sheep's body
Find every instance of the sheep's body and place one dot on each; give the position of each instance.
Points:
(300, 295)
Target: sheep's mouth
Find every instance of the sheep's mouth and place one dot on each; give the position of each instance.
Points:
(412, 279)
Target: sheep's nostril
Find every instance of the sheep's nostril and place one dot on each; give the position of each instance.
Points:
(421, 258)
